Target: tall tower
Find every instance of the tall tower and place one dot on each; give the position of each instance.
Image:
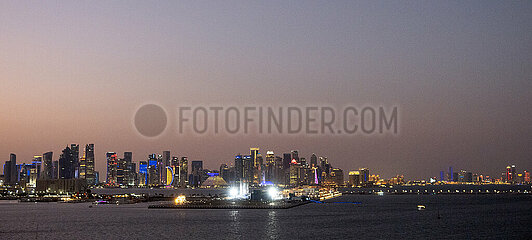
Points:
(14, 170)
(183, 175)
(313, 160)
(89, 164)
(128, 169)
(239, 168)
(67, 167)
(48, 169)
(166, 158)
(257, 163)
(74, 148)
(112, 167)
(197, 168)
(10, 170)
(295, 155)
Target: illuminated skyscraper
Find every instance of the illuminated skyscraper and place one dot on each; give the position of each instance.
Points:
(354, 178)
(35, 171)
(183, 168)
(450, 177)
(313, 160)
(225, 173)
(166, 158)
(239, 168)
(269, 171)
(82, 167)
(112, 168)
(337, 176)
(295, 155)
(124, 169)
(143, 173)
(74, 148)
(257, 162)
(511, 174)
(89, 164)
(154, 178)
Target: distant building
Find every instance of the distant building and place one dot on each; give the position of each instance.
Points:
(55, 165)
(61, 186)
(112, 169)
(10, 170)
(337, 176)
(313, 160)
(89, 165)
(143, 173)
(68, 162)
(48, 168)
(195, 177)
(183, 169)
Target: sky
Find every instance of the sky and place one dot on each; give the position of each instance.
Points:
(460, 73)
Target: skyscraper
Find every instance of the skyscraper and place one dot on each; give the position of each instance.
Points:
(82, 166)
(313, 160)
(239, 168)
(124, 170)
(112, 168)
(67, 163)
(295, 155)
(450, 177)
(48, 168)
(10, 170)
(74, 148)
(195, 177)
(143, 173)
(166, 158)
(183, 169)
(89, 164)
(55, 171)
(154, 178)
(35, 171)
(129, 170)
(257, 164)
(287, 158)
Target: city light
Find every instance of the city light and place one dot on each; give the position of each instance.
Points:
(273, 193)
(180, 200)
(233, 192)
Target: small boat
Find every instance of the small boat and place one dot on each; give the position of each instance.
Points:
(420, 207)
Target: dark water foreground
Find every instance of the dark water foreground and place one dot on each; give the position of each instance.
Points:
(388, 217)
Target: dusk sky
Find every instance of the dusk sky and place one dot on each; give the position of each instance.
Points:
(460, 73)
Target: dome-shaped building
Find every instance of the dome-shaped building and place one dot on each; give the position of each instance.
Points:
(214, 181)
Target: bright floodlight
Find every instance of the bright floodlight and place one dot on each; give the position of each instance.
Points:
(233, 192)
(274, 194)
(180, 200)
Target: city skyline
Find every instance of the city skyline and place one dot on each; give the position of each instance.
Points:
(459, 73)
(88, 170)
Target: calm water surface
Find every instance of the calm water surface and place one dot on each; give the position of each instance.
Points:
(382, 217)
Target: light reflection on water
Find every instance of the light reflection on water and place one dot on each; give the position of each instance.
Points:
(388, 217)
(272, 229)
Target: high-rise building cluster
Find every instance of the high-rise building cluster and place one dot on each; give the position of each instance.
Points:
(73, 170)
(44, 169)
(510, 175)
(288, 169)
(156, 170)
